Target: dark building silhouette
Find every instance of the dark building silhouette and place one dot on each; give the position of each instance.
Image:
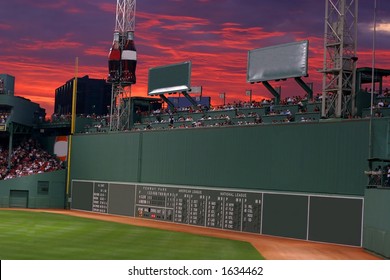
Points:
(7, 84)
(93, 97)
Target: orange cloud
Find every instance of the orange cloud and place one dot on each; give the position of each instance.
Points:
(37, 80)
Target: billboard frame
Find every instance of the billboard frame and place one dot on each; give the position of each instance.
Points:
(295, 53)
(170, 87)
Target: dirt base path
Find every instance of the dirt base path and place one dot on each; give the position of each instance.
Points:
(272, 248)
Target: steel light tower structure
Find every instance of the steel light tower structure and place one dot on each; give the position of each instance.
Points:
(122, 62)
(339, 71)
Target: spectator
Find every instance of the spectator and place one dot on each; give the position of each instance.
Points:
(27, 159)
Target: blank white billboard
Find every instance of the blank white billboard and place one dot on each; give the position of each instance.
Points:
(278, 62)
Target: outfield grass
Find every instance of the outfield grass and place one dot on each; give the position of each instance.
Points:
(46, 236)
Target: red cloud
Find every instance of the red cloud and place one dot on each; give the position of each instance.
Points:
(107, 7)
(4, 26)
(33, 45)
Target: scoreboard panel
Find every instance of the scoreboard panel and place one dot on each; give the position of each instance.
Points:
(121, 199)
(201, 207)
(81, 196)
(324, 218)
(100, 198)
(215, 208)
(285, 215)
(337, 224)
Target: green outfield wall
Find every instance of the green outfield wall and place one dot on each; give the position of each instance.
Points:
(326, 157)
(45, 190)
(309, 178)
(377, 221)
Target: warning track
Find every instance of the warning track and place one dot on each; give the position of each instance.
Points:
(272, 248)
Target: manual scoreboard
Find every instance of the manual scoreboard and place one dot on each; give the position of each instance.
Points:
(224, 209)
(211, 208)
(316, 217)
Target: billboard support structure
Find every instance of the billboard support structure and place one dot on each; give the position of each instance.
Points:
(189, 98)
(305, 87)
(273, 91)
(166, 100)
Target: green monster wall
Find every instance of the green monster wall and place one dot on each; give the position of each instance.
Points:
(325, 157)
(283, 161)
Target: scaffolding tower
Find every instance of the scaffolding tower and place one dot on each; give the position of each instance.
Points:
(121, 88)
(339, 71)
(120, 107)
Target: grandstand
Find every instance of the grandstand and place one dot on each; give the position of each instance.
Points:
(239, 113)
(30, 175)
(25, 160)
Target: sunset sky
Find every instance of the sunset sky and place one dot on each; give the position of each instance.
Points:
(40, 39)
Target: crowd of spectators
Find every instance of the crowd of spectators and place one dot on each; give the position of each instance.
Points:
(307, 119)
(235, 113)
(27, 159)
(294, 100)
(99, 123)
(281, 110)
(55, 118)
(4, 116)
(381, 105)
(380, 176)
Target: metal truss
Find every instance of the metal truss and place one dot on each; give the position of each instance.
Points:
(125, 16)
(120, 107)
(339, 72)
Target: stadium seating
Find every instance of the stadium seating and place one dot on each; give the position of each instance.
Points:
(27, 159)
(239, 113)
